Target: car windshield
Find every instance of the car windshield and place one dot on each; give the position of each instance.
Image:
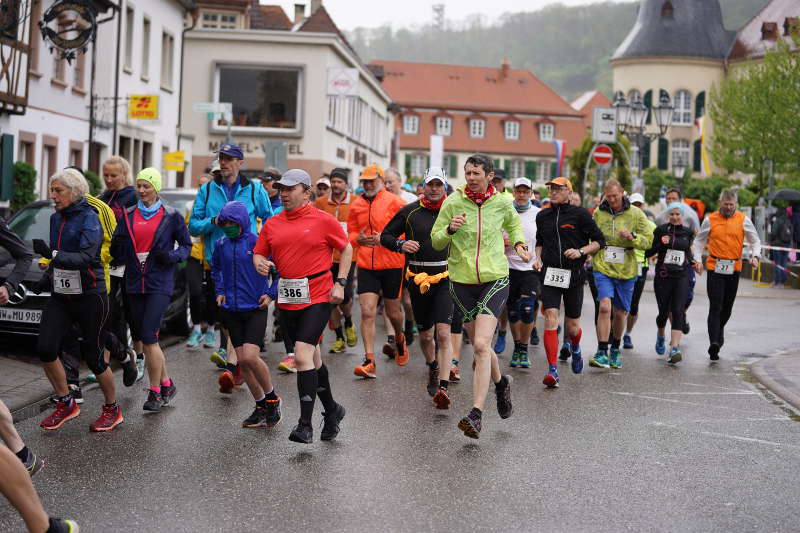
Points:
(178, 200)
(33, 223)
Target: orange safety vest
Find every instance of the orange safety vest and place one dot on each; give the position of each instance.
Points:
(725, 239)
(372, 217)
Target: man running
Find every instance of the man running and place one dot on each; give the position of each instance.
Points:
(427, 275)
(626, 229)
(379, 270)
(299, 242)
(470, 222)
(724, 233)
(565, 235)
(642, 265)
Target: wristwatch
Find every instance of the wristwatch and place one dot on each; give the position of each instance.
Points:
(342, 281)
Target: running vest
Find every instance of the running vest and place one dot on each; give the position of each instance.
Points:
(725, 239)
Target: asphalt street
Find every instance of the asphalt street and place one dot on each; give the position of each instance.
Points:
(696, 447)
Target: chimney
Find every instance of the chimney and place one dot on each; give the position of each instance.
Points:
(505, 66)
(299, 13)
(315, 4)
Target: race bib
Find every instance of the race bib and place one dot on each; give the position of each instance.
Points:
(293, 291)
(674, 257)
(67, 281)
(724, 266)
(557, 277)
(639, 269)
(344, 226)
(117, 271)
(142, 257)
(194, 238)
(615, 254)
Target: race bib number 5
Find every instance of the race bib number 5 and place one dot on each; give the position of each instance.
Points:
(293, 291)
(557, 277)
(724, 266)
(67, 281)
(614, 254)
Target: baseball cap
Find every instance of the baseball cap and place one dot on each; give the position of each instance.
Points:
(231, 150)
(636, 197)
(270, 175)
(341, 173)
(150, 175)
(523, 181)
(324, 181)
(499, 173)
(435, 173)
(564, 182)
(295, 176)
(371, 172)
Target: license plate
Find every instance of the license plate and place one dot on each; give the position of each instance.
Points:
(28, 316)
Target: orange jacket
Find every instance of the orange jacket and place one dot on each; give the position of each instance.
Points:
(339, 211)
(371, 217)
(725, 239)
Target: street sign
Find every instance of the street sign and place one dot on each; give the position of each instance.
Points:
(144, 106)
(603, 155)
(212, 110)
(174, 160)
(604, 125)
(342, 81)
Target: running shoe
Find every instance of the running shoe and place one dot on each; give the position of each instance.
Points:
(76, 393)
(129, 371)
(441, 399)
(551, 379)
(351, 336)
(219, 357)
(154, 401)
(330, 423)
(402, 351)
(661, 346)
(433, 381)
(139, 368)
(614, 358)
(408, 333)
(194, 339)
(503, 393)
(627, 343)
(338, 346)
(226, 382)
(168, 393)
(390, 348)
(564, 352)
(61, 413)
(257, 419)
(534, 337)
(238, 376)
(675, 355)
(514, 362)
(302, 434)
(109, 418)
(600, 359)
(500, 344)
(577, 360)
(366, 369)
(713, 352)
(686, 329)
(210, 338)
(455, 373)
(273, 412)
(59, 525)
(33, 464)
(471, 425)
(91, 378)
(524, 362)
(288, 364)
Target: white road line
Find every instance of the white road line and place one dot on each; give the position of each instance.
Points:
(706, 385)
(727, 436)
(737, 409)
(753, 419)
(743, 393)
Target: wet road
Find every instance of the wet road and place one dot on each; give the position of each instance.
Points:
(645, 448)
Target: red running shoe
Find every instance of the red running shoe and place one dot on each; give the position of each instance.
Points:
(442, 400)
(237, 376)
(61, 414)
(227, 382)
(110, 418)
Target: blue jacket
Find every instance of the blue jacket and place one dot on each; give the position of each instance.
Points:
(232, 267)
(209, 202)
(277, 206)
(120, 200)
(76, 233)
(153, 278)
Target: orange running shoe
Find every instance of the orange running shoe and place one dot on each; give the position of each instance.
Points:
(441, 399)
(367, 368)
(61, 414)
(110, 418)
(402, 351)
(227, 382)
(287, 365)
(238, 379)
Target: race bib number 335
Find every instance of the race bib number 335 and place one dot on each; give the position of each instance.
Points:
(557, 277)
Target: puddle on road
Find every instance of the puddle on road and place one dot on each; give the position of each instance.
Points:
(742, 370)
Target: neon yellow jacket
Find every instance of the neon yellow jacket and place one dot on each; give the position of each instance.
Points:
(632, 219)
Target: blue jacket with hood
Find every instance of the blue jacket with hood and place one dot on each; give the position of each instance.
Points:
(232, 267)
(76, 234)
(211, 198)
(153, 277)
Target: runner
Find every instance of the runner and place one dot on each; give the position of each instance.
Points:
(672, 243)
(625, 229)
(379, 270)
(244, 296)
(499, 184)
(271, 175)
(724, 232)
(196, 273)
(323, 186)
(427, 275)
(145, 242)
(565, 236)
(470, 221)
(300, 242)
(643, 266)
(337, 204)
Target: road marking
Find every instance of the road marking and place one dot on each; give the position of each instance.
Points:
(727, 436)
(630, 394)
(744, 393)
(749, 419)
(706, 385)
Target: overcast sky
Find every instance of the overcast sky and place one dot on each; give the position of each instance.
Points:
(349, 14)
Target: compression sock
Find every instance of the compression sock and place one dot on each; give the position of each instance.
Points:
(339, 333)
(602, 346)
(223, 339)
(23, 453)
(443, 384)
(433, 365)
(615, 343)
(166, 383)
(307, 382)
(575, 340)
(155, 389)
(324, 390)
(348, 321)
(551, 345)
(271, 396)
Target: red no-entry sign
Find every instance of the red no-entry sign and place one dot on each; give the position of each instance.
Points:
(603, 155)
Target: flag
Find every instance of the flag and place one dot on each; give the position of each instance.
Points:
(560, 154)
(705, 165)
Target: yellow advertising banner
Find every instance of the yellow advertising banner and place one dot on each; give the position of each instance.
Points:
(143, 106)
(174, 160)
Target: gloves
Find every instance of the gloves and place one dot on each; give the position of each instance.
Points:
(41, 248)
(161, 257)
(43, 284)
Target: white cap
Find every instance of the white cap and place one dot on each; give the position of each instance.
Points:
(324, 180)
(636, 197)
(295, 176)
(523, 181)
(435, 173)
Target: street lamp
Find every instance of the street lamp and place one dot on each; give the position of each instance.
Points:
(679, 169)
(632, 118)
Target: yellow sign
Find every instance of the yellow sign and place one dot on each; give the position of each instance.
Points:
(174, 160)
(144, 106)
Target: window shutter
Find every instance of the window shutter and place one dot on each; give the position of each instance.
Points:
(530, 170)
(648, 103)
(663, 154)
(553, 169)
(453, 166)
(507, 167)
(700, 105)
(697, 156)
(408, 164)
(496, 163)
(427, 163)
(646, 154)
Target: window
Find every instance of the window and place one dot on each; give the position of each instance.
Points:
(49, 160)
(410, 125)
(543, 168)
(59, 69)
(263, 97)
(167, 58)
(517, 168)
(634, 94)
(683, 109)
(418, 162)
(128, 64)
(145, 73)
(25, 152)
(76, 158)
(680, 152)
(78, 68)
(546, 131)
(634, 156)
(444, 126)
(512, 130)
(219, 20)
(477, 128)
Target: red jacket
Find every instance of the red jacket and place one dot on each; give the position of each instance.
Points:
(371, 216)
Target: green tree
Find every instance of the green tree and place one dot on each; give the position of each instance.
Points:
(95, 187)
(24, 185)
(708, 189)
(654, 179)
(579, 159)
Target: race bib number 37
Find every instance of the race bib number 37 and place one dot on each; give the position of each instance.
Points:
(293, 291)
(724, 266)
(557, 277)
(614, 254)
(67, 281)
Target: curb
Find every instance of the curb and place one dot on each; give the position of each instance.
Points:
(767, 373)
(39, 406)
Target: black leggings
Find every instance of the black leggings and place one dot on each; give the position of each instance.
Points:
(671, 297)
(90, 312)
(120, 314)
(721, 295)
(198, 306)
(638, 289)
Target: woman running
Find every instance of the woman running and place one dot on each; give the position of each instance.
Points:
(672, 242)
(145, 243)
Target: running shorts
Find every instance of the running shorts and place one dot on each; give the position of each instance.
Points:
(388, 282)
(573, 299)
(148, 312)
(245, 327)
(482, 299)
(523, 283)
(433, 307)
(90, 312)
(307, 324)
(348, 289)
(619, 290)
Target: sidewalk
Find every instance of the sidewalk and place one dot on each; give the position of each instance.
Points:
(781, 375)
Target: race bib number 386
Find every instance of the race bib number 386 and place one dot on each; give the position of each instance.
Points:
(557, 277)
(293, 291)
